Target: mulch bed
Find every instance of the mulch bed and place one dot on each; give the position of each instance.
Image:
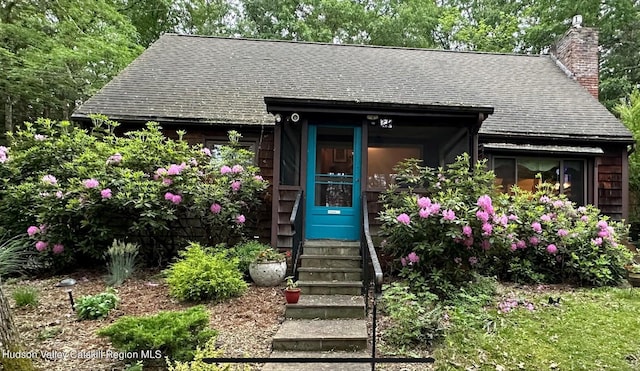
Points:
(245, 324)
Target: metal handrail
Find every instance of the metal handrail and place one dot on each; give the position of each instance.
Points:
(296, 227)
(377, 281)
(377, 269)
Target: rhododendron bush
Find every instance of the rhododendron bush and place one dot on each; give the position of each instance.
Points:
(74, 191)
(443, 224)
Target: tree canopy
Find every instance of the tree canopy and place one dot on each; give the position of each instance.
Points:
(54, 54)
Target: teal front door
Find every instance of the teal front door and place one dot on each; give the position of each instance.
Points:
(333, 183)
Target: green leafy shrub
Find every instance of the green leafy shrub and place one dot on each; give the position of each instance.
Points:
(246, 253)
(208, 351)
(416, 318)
(448, 223)
(175, 334)
(14, 253)
(201, 274)
(26, 297)
(97, 306)
(122, 262)
(73, 190)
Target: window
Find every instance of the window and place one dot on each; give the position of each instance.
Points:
(215, 144)
(567, 176)
(382, 160)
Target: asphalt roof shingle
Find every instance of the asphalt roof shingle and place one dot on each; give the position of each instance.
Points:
(223, 80)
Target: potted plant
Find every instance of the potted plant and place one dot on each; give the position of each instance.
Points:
(292, 292)
(633, 274)
(268, 268)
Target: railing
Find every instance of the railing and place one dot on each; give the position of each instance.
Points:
(296, 227)
(370, 280)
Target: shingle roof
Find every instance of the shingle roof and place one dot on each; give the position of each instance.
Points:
(222, 80)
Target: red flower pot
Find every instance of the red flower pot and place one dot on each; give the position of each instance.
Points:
(292, 295)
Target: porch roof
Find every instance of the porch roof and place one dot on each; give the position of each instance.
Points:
(532, 148)
(212, 80)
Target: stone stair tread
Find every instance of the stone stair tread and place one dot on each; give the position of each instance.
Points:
(328, 300)
(322, 269)
(326, 329)
(331, 283)
(344, 257)
(317, 366)
(331, 243)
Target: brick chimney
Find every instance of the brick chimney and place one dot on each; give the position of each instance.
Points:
(577, 50)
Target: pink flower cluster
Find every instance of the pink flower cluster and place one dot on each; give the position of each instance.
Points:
(427, 208)
(508, 305)
(49, 179)
(404, 219)
(43, 245)
(215, 208)
(176, 199)
(240, 219)
(236, 169)
(114, 159)
(90, 183)
(3, 154)
(410, 259)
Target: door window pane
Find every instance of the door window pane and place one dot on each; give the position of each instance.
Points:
(334, 167)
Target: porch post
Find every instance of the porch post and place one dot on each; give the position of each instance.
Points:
(275, 198)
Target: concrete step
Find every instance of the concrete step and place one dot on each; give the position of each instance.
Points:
(330, 261)
(334, 243)
(327, 307)
(330, 247)
(310, 335)
(329, 274)
(326, 250)
(330, 287)
(318, 366)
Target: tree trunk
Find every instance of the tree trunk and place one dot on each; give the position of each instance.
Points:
(10, 341)
(8, 115)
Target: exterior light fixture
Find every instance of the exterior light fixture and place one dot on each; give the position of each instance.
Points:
(295, 117)
(278, 118)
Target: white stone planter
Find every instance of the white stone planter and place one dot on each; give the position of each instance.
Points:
(268, 273)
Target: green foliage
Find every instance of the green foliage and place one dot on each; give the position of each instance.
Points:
(97, 306)
(201, 274)
(122, 262)
(416, 318)
(26, 297)
(447, 223)
(175, 334)
(208, 351)
(14, 252)
(74, 191)
(57, 53)
(629, 112)
(246, 253)
(435, 254)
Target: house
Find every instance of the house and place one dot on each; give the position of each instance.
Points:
(333, 120)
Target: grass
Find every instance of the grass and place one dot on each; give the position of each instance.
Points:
(591, 329)
(26, 297)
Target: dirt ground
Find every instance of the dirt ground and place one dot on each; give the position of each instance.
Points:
(245, 324)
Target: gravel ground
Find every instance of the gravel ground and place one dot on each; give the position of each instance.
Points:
(245, 324)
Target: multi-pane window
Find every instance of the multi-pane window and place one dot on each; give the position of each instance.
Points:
(567, 176)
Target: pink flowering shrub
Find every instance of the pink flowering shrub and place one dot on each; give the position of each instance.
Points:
(431, 227)
(454, 222)
(73, 193)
